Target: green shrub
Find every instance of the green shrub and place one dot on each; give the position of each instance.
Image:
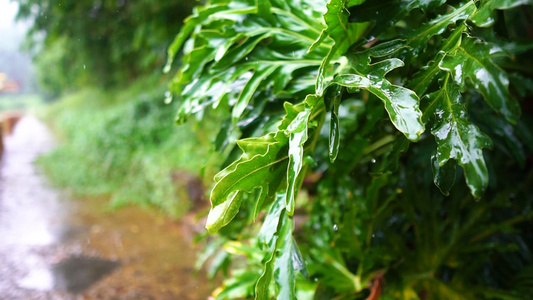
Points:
(124, 144)
(379, 101)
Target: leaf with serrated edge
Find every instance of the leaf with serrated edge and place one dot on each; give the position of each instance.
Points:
(198, 16)
(343, 33)
(472, 60)
(261, 166)
(485, 16)
(385, 13)
(457, 138)
(401, 103)
(262, 162)
(418, 39)
(235, 46)
(422, 80)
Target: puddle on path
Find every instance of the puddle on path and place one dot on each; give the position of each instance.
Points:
(53, 247)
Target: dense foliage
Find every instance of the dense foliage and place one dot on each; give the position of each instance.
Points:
(352, 116)
(121, 144)
(101, 43)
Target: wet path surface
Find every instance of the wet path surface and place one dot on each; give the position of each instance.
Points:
(53, 247)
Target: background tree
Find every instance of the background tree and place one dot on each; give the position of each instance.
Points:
(379, 101)
(100, 42)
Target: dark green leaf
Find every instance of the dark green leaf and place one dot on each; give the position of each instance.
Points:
(443, 176)
(385, 13)
(418, 39)
(486, 14)
(472, 60)
(457, 138)
(334, 94)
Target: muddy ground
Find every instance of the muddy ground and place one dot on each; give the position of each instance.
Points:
(53, 246)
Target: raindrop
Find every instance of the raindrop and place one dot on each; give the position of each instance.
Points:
(84, 67)
(316, 279)
(335, 227)
(246, 58)
(373, 160)
(168, 97)
(373, 235)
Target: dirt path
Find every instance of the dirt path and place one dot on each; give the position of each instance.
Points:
(53, 247)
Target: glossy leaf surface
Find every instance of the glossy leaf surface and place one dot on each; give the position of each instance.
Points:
(260, 166)
(329, 103)
(458, 139)
(297, 131)
(486, 15)
(401, 104)
(472, 60)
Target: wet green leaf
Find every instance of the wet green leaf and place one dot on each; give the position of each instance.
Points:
(342, 33)
(288, 261)
(472, 60)
(260, 166)
(385, 13)
(373, 212)
(426, 77)
(249, 89)
(418, 39)
(270, 227)
(334, 94)
(222, 213)
(443, 176)
(199, 15)
(297, 131)
(457, 138)
(486, 14)
(235, 46)
(401, 104)
(269, 238)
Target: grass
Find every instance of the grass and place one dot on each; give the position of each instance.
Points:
(125, 144)
(19, 102)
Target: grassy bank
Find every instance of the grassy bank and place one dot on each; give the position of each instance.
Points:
(20, 102)
(124, 144)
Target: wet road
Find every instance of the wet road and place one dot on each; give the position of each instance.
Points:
(54, 247)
